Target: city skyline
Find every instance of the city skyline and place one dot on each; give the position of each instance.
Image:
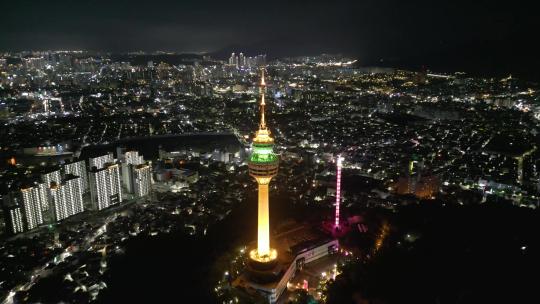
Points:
(165, 159)
(460, 35)
(282, 152)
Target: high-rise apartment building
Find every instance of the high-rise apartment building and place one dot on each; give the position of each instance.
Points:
(142, 179)
(33, 198)
(232, 59)
(105, 186)
(67, 197)
(14, 219)
(78, 168)
(131, 159)
(100, 161)
(241, 60)
(49, 178)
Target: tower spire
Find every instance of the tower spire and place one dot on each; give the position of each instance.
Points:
(262, 124)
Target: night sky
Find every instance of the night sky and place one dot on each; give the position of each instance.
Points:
(489, 36)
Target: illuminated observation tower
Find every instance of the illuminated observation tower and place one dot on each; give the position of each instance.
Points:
(263, 165)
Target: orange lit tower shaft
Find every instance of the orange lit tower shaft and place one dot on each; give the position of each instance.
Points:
(263, 165)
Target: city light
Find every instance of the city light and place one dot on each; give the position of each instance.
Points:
(126, 166)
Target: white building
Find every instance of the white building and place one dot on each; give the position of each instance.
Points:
(233, 60)
(78, 168)
(100, 161)
(241, 60)
(67, 197)
(47, 179)
(133, 157)
(142, 180)
(33, 200)
(15, 220)
(105, 186)
(131, 160)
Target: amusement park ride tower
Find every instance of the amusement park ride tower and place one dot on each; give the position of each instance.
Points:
(337, 221)
(263, 165)
(337, 228)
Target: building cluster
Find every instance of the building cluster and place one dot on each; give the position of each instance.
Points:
(89, 240)
(242, 61)
(61, 193)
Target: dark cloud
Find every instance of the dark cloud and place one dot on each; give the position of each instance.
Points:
(411, 31)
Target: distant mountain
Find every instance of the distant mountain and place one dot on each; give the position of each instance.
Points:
(143, 59)
(278, 48)
(486, 60)
(477, 58)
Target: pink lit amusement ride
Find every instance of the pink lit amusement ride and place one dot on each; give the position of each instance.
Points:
(337, 228)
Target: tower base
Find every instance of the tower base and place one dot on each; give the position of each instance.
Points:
(336, 231)
(263, 269)
(262, 262)
(295, 246)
